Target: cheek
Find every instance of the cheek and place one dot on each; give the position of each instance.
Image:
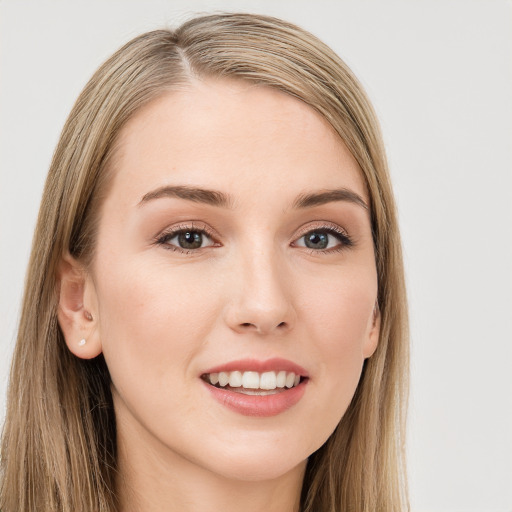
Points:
(339, 322)
(339, 312)
(150, 323)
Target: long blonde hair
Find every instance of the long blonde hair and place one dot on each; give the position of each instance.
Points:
(59, 440)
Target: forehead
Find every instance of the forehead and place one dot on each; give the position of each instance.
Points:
(231, 134)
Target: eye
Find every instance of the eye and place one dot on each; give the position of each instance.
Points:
(325, 239)
(185, 239)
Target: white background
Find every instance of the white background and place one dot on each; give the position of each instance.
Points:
(440, 76)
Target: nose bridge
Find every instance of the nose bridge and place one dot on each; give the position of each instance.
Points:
(261, 300)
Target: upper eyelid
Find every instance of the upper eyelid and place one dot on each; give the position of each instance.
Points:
(322, 224)
(192, 226)
(304, 229)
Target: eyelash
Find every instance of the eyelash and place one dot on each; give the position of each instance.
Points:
(164, 238)
(331, 229)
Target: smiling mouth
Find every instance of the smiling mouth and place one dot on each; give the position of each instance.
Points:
(254, 383)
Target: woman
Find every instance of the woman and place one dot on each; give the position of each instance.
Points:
(215, 313)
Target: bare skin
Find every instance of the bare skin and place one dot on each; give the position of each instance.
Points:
(267, 278)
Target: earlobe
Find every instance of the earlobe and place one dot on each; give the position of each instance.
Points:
(77, 312)
(374, 333)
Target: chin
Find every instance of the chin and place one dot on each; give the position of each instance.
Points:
(251, 459)
(259, 469)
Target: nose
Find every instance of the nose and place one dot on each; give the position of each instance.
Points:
(260, 296)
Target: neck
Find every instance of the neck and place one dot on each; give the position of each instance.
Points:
(152, 479)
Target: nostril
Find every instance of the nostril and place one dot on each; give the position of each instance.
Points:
(263, 328)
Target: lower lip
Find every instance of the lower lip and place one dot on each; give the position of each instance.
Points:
(258, 405)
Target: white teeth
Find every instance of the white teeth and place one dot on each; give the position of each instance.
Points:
(268, 380)
(223, 378)
(254, 381)
(281, 379)
(235, 379)
(251, 380)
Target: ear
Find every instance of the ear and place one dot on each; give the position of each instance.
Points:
(372, 339)
(78, 312)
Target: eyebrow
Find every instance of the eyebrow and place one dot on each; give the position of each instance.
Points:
(220, 199)
(328, 196)
(198, 195)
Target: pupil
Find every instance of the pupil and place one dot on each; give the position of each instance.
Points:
(190, 240)
(317, 240)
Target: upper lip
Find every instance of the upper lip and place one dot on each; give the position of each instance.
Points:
(256, 365)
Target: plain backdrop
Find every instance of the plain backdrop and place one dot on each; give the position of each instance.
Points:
(440, 76)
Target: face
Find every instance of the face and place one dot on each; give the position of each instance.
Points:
(234, 245)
